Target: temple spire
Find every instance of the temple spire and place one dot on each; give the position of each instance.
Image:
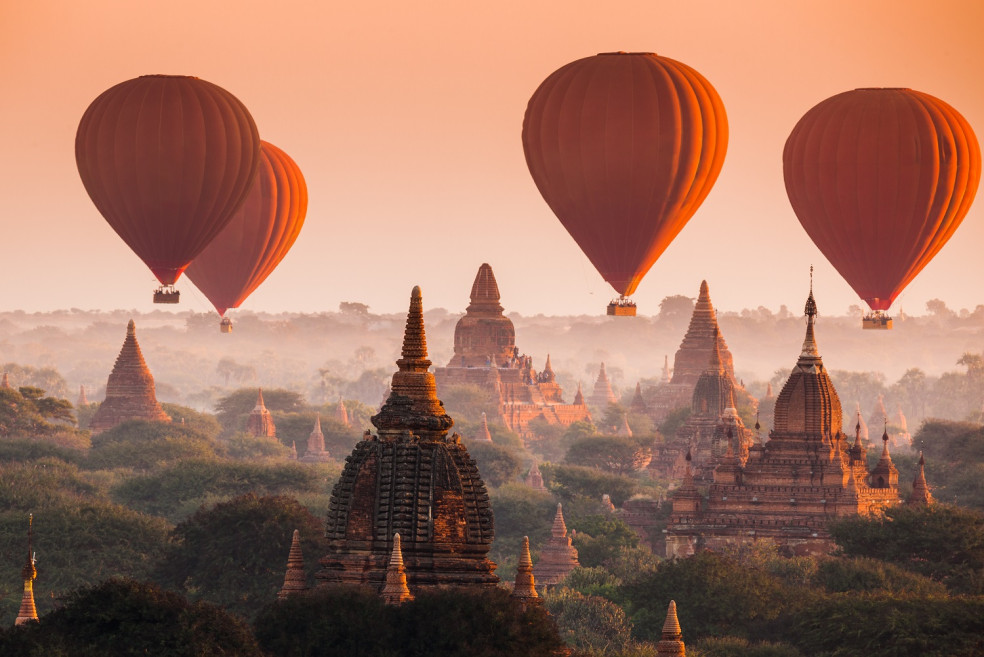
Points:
(341, 413)
(28, 612)
(395, 590)
(485, 292)
(671, 643)
(525, 586)
(920, 490)
(484, 434)
(295, 580)
(5, 381)
(413, 406)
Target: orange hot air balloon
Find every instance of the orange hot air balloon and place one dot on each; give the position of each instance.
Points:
(167, 159)
(624, 147)
(880, 180)
(259, 235)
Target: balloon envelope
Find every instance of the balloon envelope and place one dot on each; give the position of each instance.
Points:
(880, 180)
(259, 235)
(167, 159)
(624, 147)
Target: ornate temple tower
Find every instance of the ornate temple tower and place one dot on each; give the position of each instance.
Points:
(260, 421)
(130, 393)
(484, 335)
(524, 588)
(558, 557)
(412, 479)
(395, 590)
(788, 489)
(920, 490)
(671, 643)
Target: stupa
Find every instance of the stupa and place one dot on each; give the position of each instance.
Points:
(28, 612)
(638, 404)
(558, 557)
(395, 590)
(920, 490)
(130, 393)
(486, 355)
(341, 413)
(82, 400)
(413, 479)
(260, 421)
(295, 580)
(316, 452)
(789, 488)
(484, 435)
(524, 588)
(671, 642)
(534, 478)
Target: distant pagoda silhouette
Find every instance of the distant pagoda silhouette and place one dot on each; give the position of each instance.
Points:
(130, 393)
(260, 421)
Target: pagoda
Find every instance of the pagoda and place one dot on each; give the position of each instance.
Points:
(28, 612)
(395, 590)
(691, 359)
(789, 488)
(413, 479)
(295, 580)
(260, 424)
(534, 478)
(82, 400)
(130, 393)
(671, 642)
(920, 490)
(558, 557)
(341, 413)
(602, 395)
(316, 452)
(524, 588)
(486, 355)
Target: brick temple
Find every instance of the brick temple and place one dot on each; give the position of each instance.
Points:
(415, 480)
(130, 392)
(485, 355)
(787, 490)
(260, 423)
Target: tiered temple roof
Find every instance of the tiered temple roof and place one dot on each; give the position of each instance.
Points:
(413, 479)
(788, 489)
(485, 355)
(260, 421)
(558, 557)
(130, 393)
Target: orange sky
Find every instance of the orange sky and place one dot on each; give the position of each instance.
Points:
(406, 119)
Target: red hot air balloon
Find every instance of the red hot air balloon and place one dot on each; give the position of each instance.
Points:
(167, 160)
(624, 147)
(257, 238)
(880, 180)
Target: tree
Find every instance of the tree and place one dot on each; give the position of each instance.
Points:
(941, 541)
(144, 445)
(124, 617)
(235, 553)
(444, 623)
(589, 622)
(28, 413)
(602, 537)
(467, 402)
(496, 464)
(46, 378)
(233, 409)
(571, 482)
(618, 455)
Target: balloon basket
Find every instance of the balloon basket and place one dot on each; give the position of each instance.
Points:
(225, 325)
(876, 321)
(622, 307)
(166, 294)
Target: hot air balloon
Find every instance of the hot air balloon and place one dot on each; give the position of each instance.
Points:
(880, 180)
(257, 238)
(167, 159)
(624, 147)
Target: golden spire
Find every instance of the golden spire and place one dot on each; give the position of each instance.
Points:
(671, 643)
(395, 590)
(28, 612)
(525, 587)
(559, 526)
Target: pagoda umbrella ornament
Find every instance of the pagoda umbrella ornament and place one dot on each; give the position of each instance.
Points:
(880, 180)
(624, 147)
(257, 238)
(167, 160)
